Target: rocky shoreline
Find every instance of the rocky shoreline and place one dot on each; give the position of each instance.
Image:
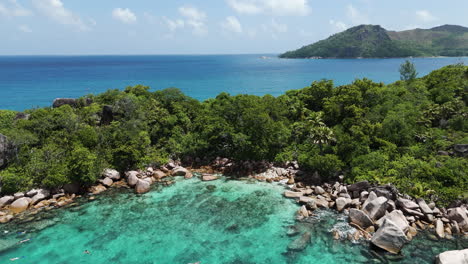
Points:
(379, 214)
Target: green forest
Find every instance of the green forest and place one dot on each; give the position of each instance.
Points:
(402, 133)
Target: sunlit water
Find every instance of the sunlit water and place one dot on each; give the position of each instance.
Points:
(211, 222)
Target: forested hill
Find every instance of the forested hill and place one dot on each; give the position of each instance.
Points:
(373, 41)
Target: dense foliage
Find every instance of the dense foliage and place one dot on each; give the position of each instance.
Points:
(368, 41)
(366, 130)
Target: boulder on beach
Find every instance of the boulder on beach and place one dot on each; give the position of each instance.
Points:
(424, 207)
(389, 237)
(142, 186)
(300, 243)
(291, 194)
(181, 171)
(6, 200)
(396, 217)
(40, 195)
(376, 208)
(20, 205)
(158, 174)
(440, 228)
(358, 186)
(457, 214)
(453, 257)
(359, 218)
(407, 204)
(107, 182)
(111, 174)
(342, 203)
(319, 190)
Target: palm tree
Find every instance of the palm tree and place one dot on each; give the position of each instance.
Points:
(321, 135)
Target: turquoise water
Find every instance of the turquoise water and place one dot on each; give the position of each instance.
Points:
(31, 81)
(217, 222)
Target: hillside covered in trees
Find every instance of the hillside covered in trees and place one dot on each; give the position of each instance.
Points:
(409, 133)
(373, 41)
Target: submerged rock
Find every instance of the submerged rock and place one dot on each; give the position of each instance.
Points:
(389, 237)
(453, 257)
(300, 243)
(209, 177)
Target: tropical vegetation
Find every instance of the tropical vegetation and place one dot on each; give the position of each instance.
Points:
(402, 133)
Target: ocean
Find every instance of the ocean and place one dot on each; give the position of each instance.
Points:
(35, 81)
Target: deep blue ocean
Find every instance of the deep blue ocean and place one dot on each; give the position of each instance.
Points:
(34, 81)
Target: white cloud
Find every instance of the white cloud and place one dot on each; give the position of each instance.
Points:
(232, 24)
(24, 28)
(338, 26)
(425, 16)
(192, 13)
(275, 28)
(124, 15)
(244, 7)
(173, 25)
(55, 10)
(356, 16)
(194, 19)
(275, 7)
(11, 8)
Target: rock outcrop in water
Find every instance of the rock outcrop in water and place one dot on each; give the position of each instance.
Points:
(453, 257)
(380, 213)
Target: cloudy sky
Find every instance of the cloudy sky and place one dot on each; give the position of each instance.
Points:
(203, 26)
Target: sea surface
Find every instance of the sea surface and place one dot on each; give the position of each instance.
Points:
(34, 81)
(225, 221)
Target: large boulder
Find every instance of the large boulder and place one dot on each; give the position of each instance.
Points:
(300, 243)
(457, 214)
(291, 194)
(376, 208)
(180, 171)
(359, 218)
(107, 182)
(158, 174)
(72, 188)
(64, 101)
(440, 228)
(358, 186)
(142, 186)
(398, 218)
(319, 190)
(20, 205)
(6, 200)
(132, 178)
(453, 257)
(40, 195)
(407, 204)
(342, 203)
(370, 197)
(111, 174)
(389, 237)
(424, 207)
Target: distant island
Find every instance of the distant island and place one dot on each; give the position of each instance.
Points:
(373, 41)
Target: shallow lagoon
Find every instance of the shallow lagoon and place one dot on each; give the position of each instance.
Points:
(212, 222)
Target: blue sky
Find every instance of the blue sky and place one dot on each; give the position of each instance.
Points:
(204, 26)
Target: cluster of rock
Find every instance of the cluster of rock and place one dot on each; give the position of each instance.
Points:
(36, 199)
(379, 213)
